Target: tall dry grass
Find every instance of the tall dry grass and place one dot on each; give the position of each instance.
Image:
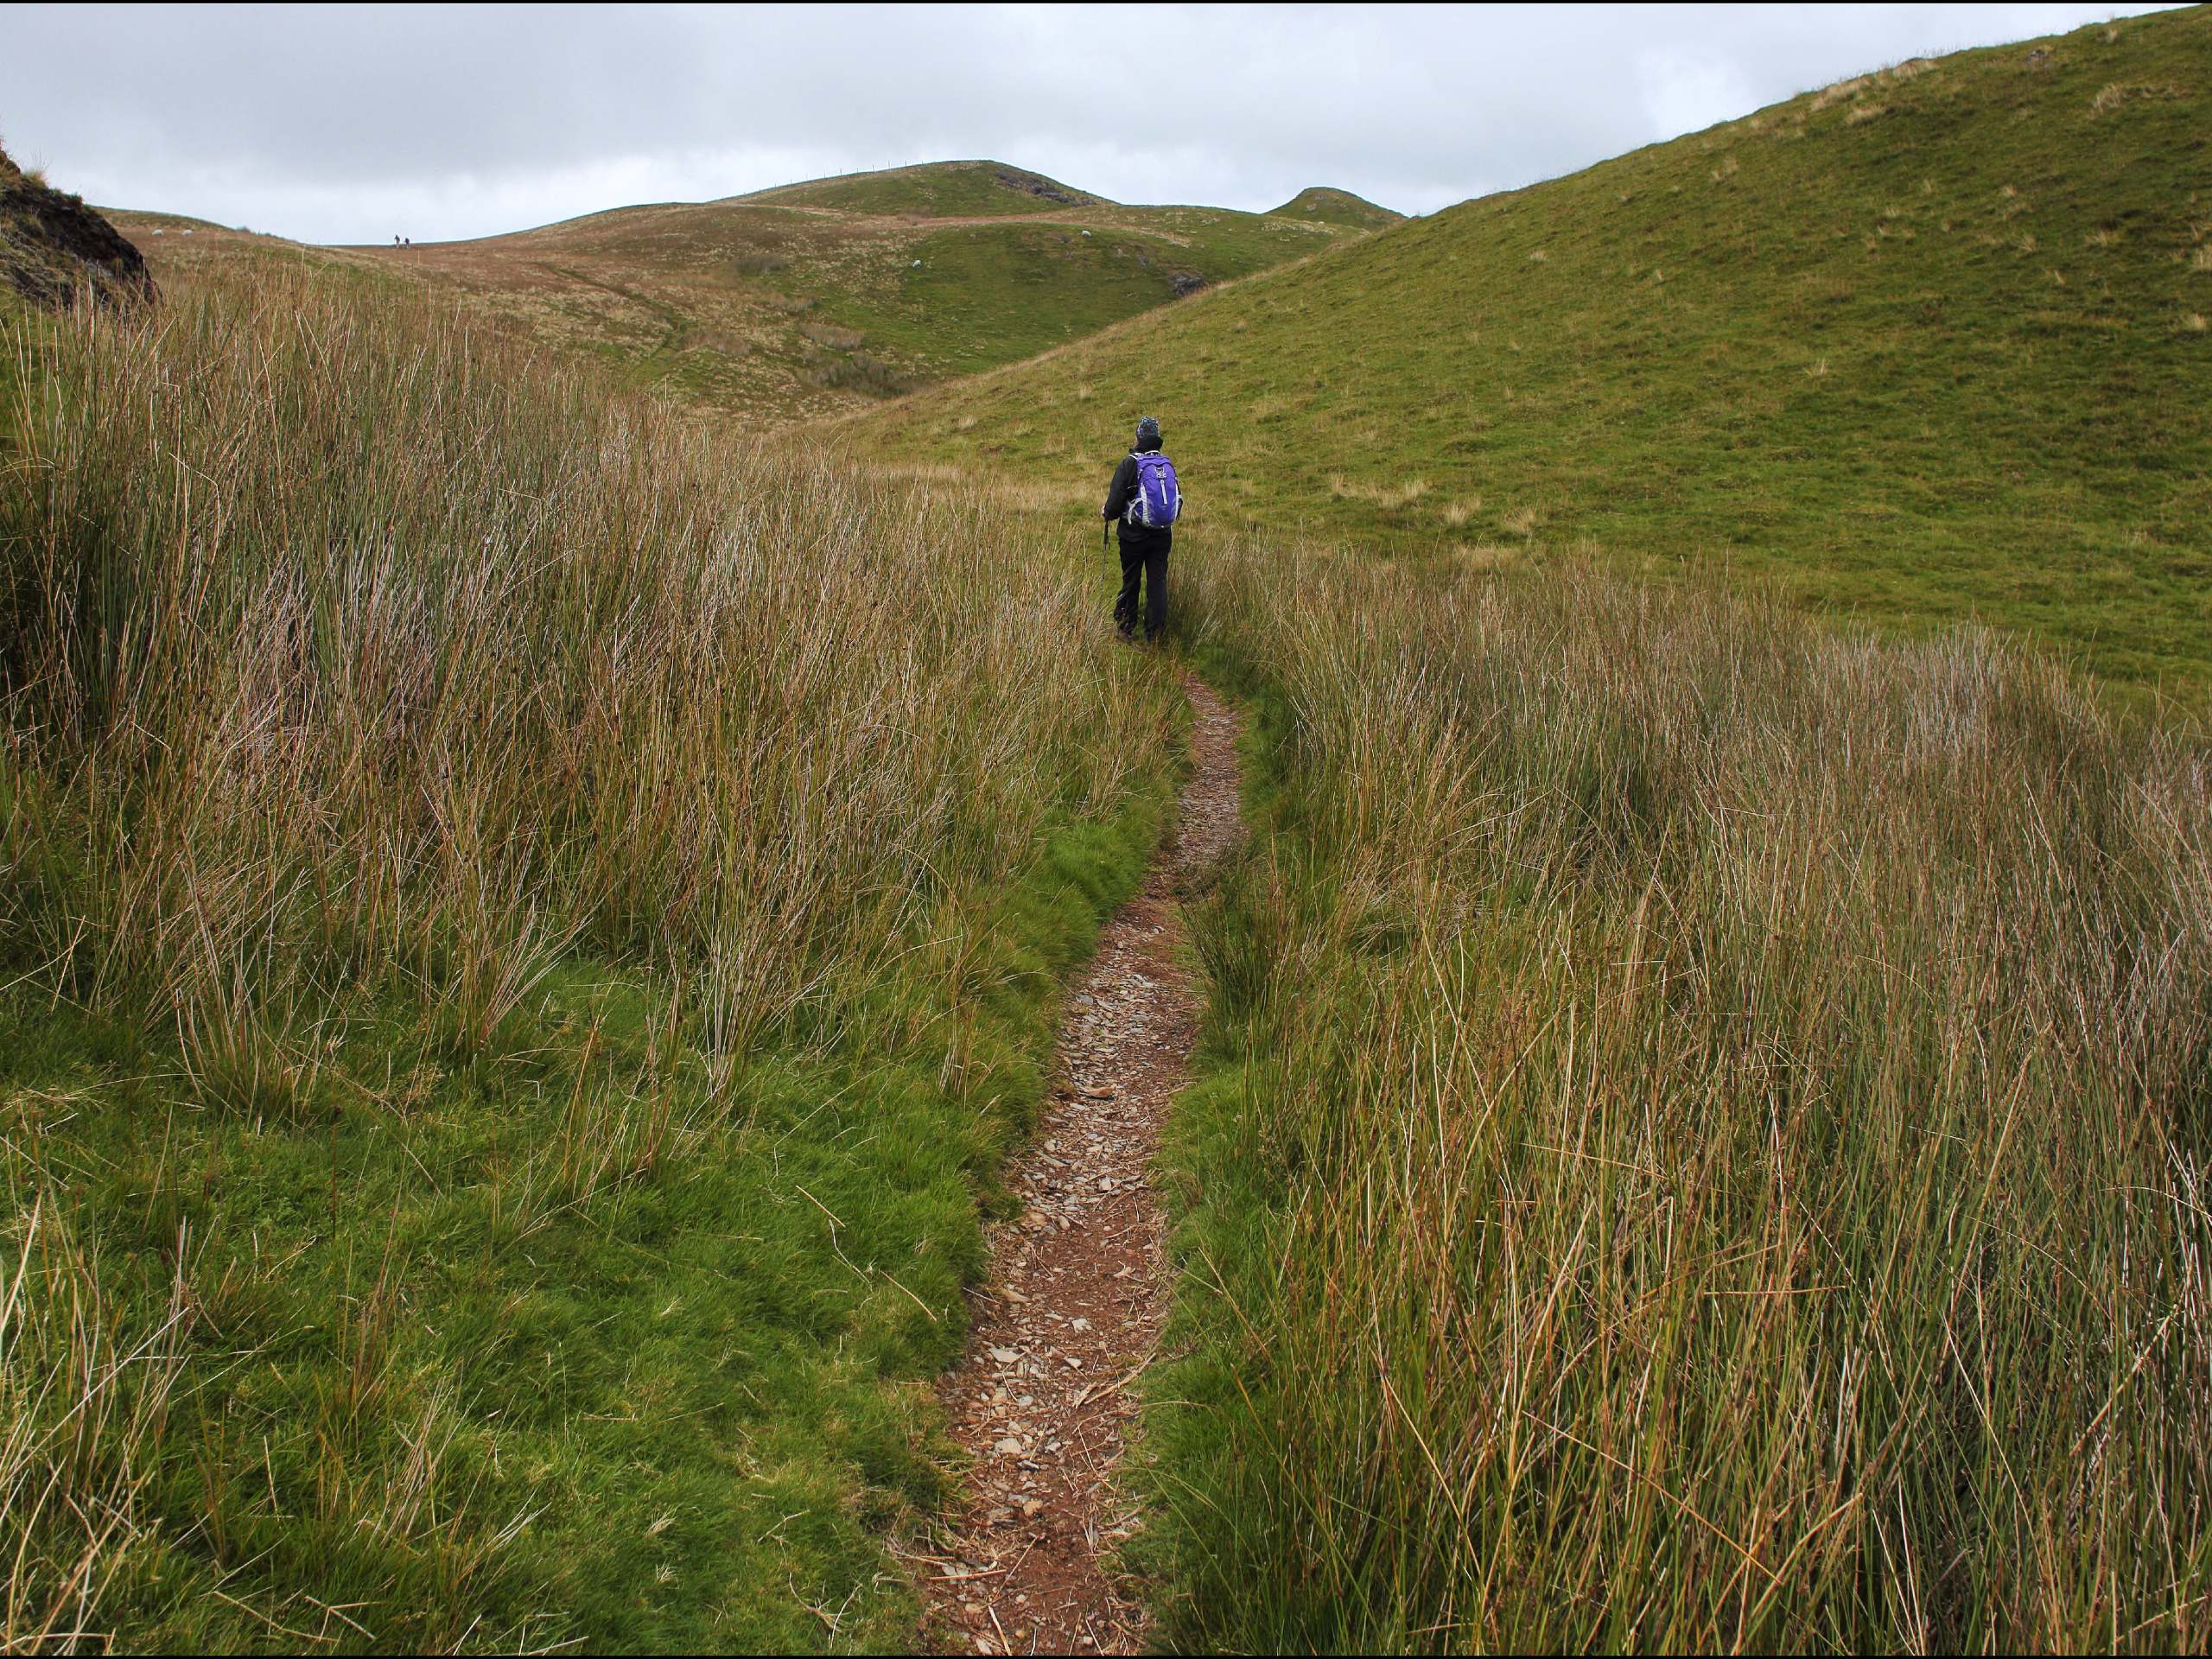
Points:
(1712, 1148)
(358, 667)
(340, 645)
(82, 1407)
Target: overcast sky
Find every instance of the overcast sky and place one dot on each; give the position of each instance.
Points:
(358, 123)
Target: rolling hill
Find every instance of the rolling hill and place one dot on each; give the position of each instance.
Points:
(817, 298)
(934, 190)
(1929, 342)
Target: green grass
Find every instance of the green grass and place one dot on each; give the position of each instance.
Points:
(525, 930)
(1928, 347)
(1703, 1140)
(413, 1324)
(982, 295)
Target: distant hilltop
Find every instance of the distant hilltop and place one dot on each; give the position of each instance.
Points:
(824, 296)
(932, 190)
(1334, 206)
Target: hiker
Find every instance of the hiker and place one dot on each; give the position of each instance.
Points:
(1146, 499)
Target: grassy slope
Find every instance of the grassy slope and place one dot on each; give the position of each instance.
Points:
(493, 1137)
(1929, 343)
(809, 301)
(143, 222)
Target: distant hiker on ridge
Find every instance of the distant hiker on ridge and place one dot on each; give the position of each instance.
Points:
(1145, 497)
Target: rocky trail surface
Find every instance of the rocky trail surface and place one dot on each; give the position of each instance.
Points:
(1071, 1314)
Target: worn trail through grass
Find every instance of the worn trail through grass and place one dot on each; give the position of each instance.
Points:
(1072, 1313)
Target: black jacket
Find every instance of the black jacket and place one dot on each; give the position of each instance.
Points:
(1145, 537)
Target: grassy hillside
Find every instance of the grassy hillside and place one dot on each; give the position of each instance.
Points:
(1337, 207)
(821, 298)
(1929, 343)
(523, 928)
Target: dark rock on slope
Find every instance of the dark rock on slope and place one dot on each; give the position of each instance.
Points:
(1043, 190)
(53, 246)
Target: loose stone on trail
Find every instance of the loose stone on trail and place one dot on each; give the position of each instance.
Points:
(1079, 1284)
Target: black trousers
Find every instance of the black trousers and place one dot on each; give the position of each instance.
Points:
(1145, 562)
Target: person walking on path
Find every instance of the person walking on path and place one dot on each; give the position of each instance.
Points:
(1145, 500)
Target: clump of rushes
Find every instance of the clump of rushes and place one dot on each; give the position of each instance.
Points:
(523, 921)
(1708, 1144)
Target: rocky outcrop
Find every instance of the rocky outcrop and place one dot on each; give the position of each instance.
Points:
(1036, 184)
(53, 247)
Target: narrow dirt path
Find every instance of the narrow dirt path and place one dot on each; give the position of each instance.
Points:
(1072, 1313)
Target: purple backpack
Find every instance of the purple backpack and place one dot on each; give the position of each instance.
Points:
(1158, 498)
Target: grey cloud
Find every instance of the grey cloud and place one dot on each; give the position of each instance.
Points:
(344, 123)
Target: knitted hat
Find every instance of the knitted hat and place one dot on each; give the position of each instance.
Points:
(1148, 432)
